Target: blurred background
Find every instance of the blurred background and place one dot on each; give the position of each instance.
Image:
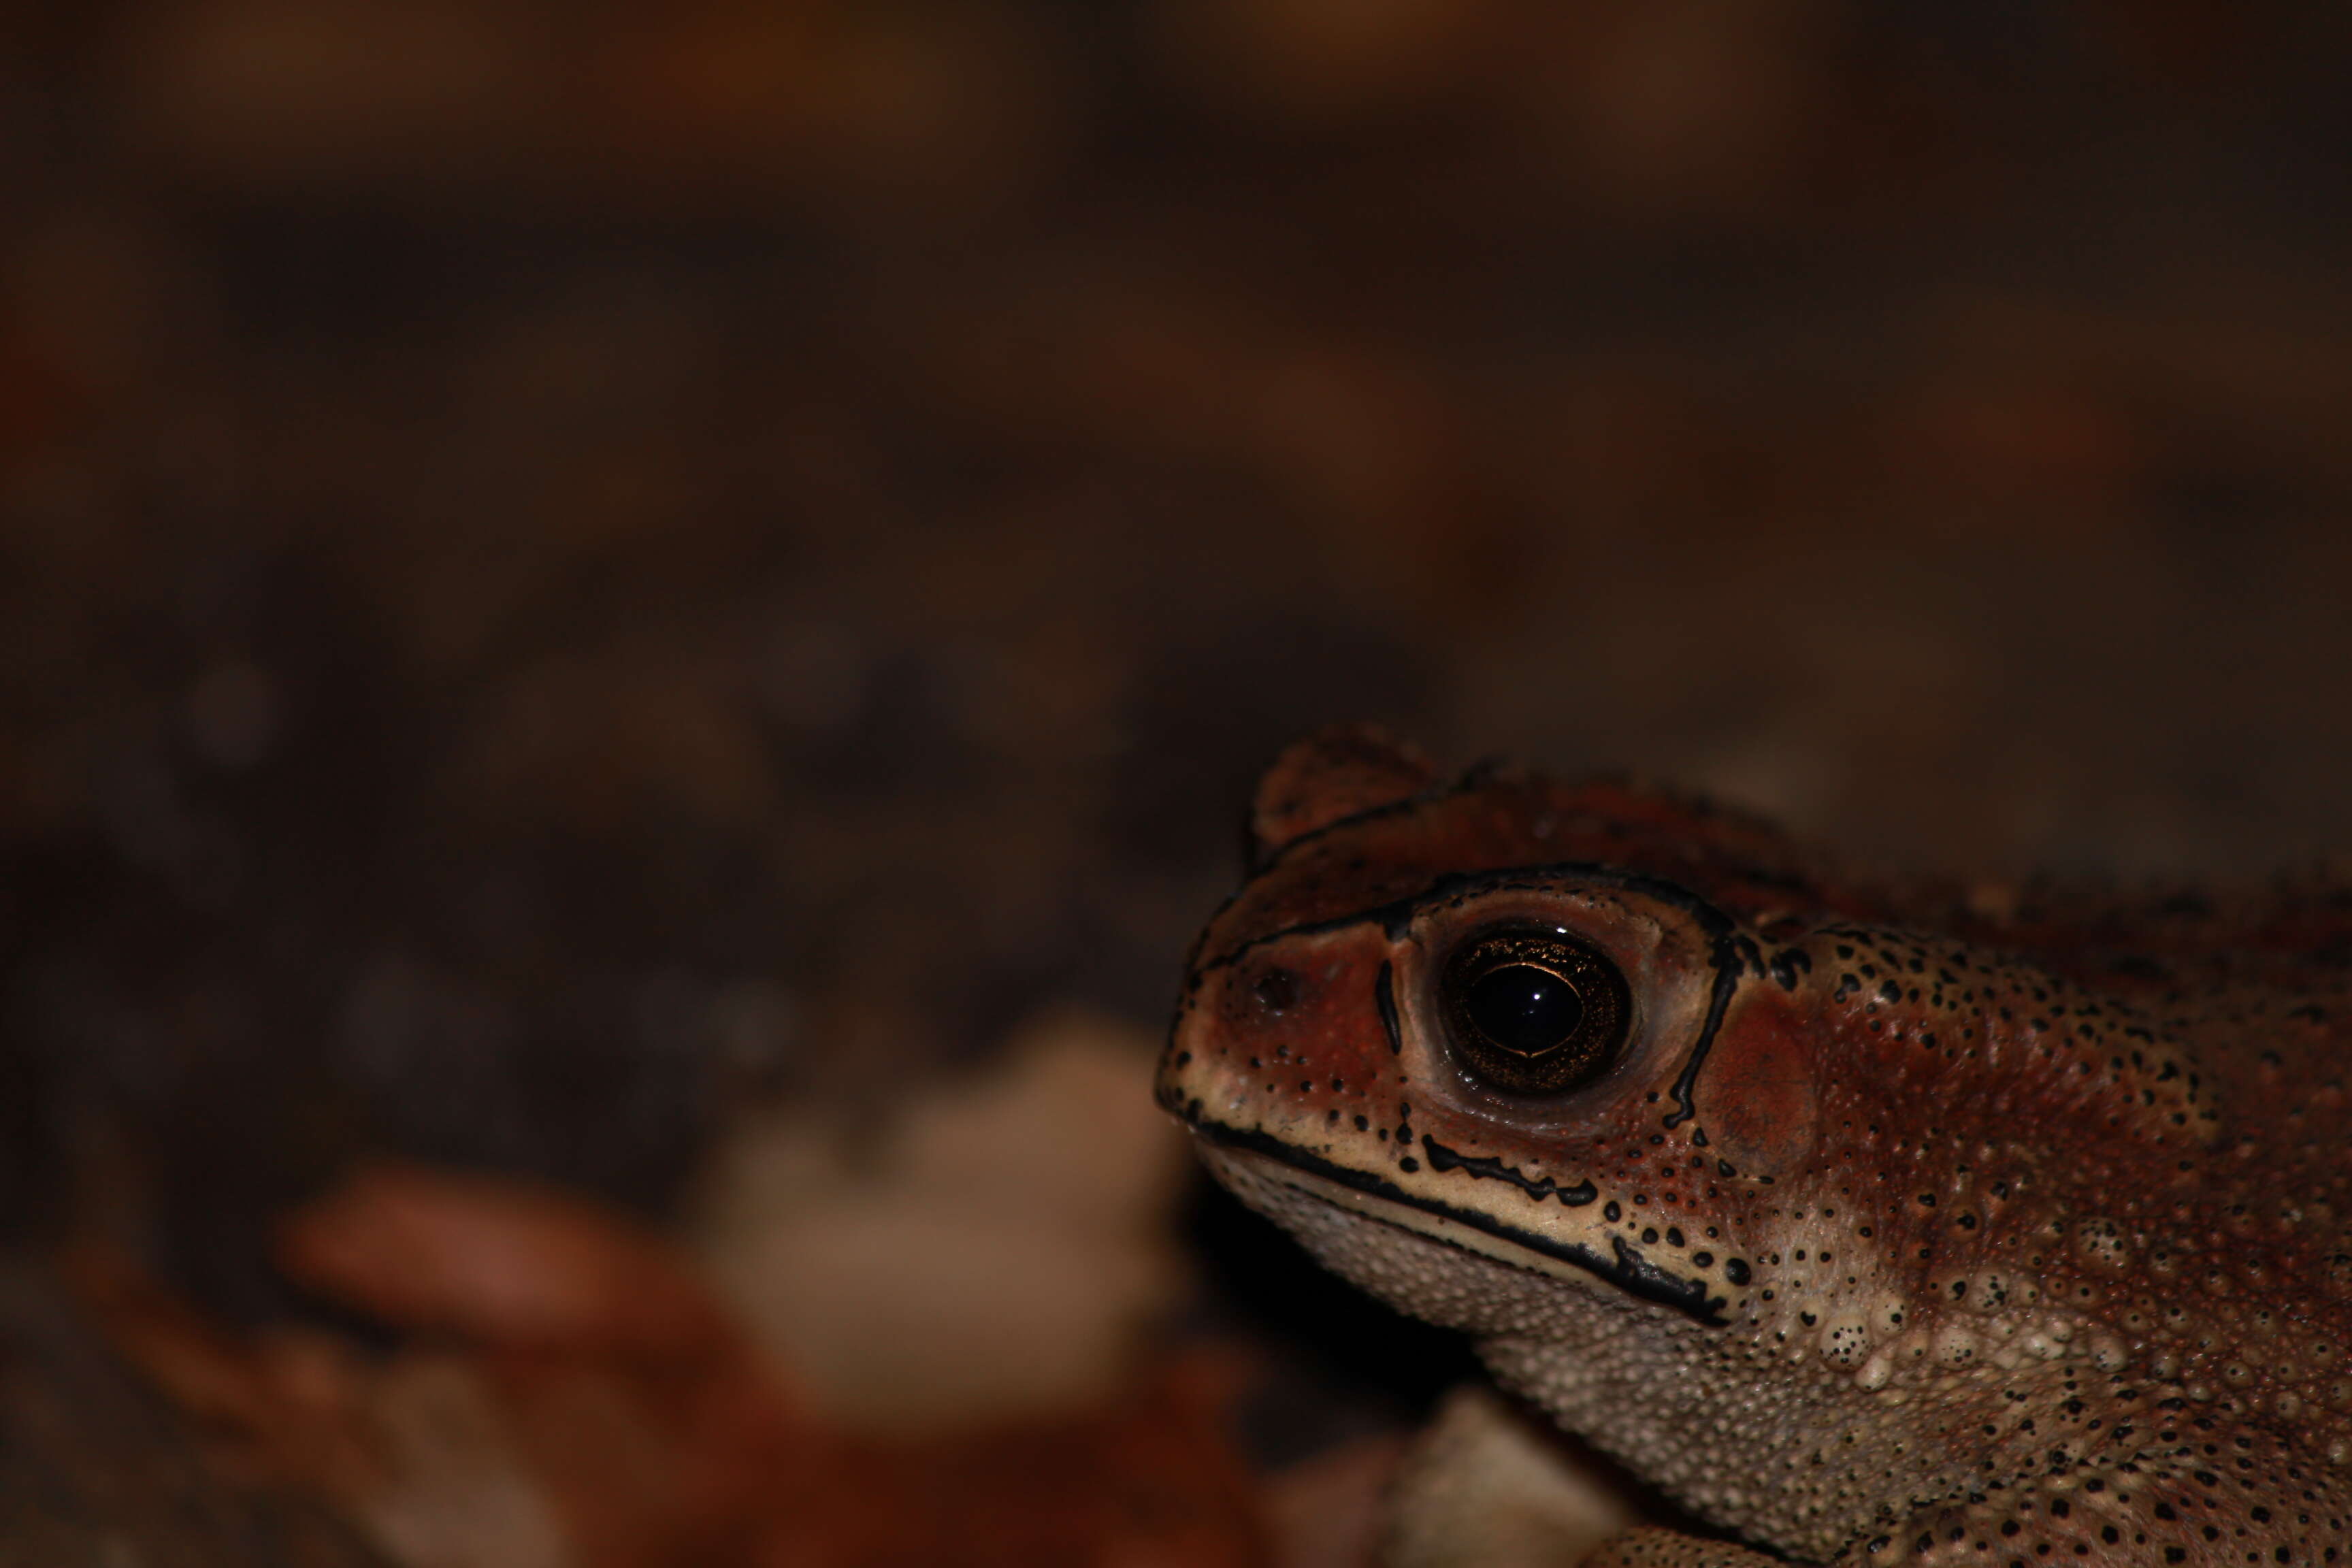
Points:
(635, 599)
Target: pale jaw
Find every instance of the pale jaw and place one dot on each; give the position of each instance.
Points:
(1434, 1267)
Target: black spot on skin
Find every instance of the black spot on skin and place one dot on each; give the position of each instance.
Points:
(1790, 962)
(1736, 1271)
(1726, 960)
(1490, 1168)
(1638, 1275)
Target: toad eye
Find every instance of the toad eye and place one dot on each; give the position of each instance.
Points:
(1534, 1011)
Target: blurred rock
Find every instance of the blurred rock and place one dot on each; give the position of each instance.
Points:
(1483, 1472)
(455, 1493)
(983, 1251)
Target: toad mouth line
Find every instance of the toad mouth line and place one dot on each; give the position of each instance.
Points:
(1627, 1267)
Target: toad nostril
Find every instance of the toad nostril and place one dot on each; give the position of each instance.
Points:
(1277, 990)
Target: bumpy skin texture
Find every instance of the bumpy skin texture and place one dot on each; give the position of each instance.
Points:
(1910, 1225)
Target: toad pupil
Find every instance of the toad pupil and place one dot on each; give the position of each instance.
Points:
(1533, 1012)
(1524, 1009)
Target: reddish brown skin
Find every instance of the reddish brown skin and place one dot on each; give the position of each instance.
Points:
(2121, 1123)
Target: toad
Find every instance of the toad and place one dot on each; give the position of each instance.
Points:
(1873, 1222)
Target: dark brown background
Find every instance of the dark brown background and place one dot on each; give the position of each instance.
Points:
(561, 565)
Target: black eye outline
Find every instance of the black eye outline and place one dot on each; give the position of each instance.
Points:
(1586, 1044)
